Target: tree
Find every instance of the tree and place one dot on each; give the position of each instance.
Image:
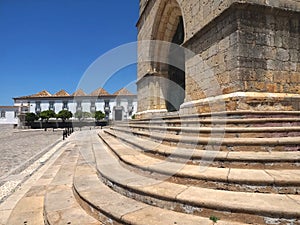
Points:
(86, 115)
(64, 115)
(47, 114)
(99, 115)
(31, 117)
(78, 115)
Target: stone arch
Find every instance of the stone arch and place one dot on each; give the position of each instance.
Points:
(166, 21)
(169, 27)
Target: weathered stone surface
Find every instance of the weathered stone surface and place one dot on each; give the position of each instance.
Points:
(238, 46)
(274, 204)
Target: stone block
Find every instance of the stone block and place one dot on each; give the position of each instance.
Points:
(282, 54)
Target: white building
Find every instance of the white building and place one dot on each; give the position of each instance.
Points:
(118, 106)
(9, 115)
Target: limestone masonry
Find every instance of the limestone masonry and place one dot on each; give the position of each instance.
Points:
(249, 48)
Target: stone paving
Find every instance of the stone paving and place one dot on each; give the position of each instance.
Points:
(17, 146)
(22, 153)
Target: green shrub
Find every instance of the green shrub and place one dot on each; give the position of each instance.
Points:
(214, 218)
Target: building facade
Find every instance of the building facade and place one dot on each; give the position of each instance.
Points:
(245, 56)
(9, 115)
(121, 105)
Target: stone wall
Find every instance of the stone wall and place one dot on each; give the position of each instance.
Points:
(240, 47)
(252, 49)
(198, 14)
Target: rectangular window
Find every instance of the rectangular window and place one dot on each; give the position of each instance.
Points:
(118, 102)
(93, 106)
(106, 107)
(38, 107)
(78, 107)
(51, 106)
(16, 114)
(3, 114)
(65, 105)
(130, 102)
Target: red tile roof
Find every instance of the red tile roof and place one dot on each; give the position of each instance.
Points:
(8, 107)
(79, 92)
(100, 92)
(61, 93)
(43, 93)
(123, 91)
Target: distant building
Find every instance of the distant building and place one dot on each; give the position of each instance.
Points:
(9, 114)
(120, 105)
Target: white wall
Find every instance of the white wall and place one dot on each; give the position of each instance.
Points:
(100, 106)
(86, 106)
(58, 106)
(9, 117)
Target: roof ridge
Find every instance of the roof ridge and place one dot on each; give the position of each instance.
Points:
(99, 92)
(123, 91)
(79, 92)
(61, 93)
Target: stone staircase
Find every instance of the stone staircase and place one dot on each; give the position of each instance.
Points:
(173, 170)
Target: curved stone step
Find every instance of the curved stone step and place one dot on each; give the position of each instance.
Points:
(276, 159)
(110, 207)
(178, 195)
(283, 181)
(60, 205)
(218, 142)
(227, 132)
(227, 114)
(243, 114)
(250, 122)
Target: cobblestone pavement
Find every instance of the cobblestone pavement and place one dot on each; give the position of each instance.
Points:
(16, 146)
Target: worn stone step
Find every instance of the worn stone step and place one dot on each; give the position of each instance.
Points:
(29, 208)
(218, 142)
(263, 180)
(249, 122)
(231, 159)
(227, 132)
(227, 114)
(60, 205)
(180, 197)
(110, 207)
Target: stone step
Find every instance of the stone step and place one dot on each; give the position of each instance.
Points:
(261, 180)
(208, 122)
(228, 132)
(29, 208)
(110, 207)
(191, 199)
(243, 159)
(227, 114)
(61, 206)
(218, 142)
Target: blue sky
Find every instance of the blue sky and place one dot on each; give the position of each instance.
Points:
(49, 44)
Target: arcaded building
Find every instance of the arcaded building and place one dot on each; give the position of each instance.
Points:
(236, 55)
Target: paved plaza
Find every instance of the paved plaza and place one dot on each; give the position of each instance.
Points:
(19, 146)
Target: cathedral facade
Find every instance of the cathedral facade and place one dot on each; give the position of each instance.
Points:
(235, 55)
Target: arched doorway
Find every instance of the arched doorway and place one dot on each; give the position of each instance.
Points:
(169, 60)
(176, 76)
